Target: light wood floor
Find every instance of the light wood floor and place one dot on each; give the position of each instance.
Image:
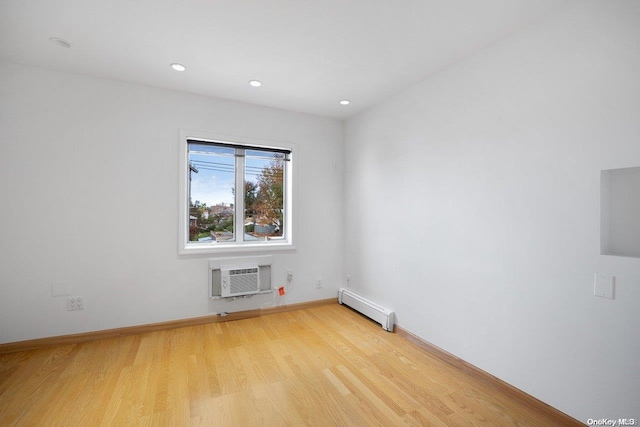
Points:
(320, 366)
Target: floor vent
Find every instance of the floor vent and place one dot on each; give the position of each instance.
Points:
(370, 309)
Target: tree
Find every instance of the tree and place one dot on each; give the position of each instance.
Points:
(250, 189)
(269, 200)
(196, 210)
(225, 224)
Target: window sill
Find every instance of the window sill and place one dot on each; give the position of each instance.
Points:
(217, 248)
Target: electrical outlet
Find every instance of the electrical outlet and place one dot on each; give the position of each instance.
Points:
(75, 303)
(348, 280)
(319, 283)
(289, 276)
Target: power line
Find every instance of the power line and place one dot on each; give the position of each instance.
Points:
(204, 162)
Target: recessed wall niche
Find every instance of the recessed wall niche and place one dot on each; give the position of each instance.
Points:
(620, 212)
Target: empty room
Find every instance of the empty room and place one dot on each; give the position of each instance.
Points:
(337, 212)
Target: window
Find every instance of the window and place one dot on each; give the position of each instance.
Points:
(237, 195)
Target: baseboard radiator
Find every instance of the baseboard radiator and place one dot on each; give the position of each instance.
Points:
(370, 309)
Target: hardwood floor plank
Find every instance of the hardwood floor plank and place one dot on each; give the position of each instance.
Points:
(71, 395)
(116, 398)
(339, 385)
(198, 383)
(276, 394)
(382, 409)
(32, 391)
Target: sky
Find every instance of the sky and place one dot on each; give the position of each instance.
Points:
(215, 180)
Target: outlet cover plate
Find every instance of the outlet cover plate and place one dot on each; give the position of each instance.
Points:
(75, 303)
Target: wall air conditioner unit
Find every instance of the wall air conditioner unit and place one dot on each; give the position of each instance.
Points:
(216, 265)
(239, 280)
(370, 309)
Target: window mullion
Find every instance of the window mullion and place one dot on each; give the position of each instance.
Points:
(238, 217)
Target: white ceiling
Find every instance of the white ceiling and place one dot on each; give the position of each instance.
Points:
(309, 54)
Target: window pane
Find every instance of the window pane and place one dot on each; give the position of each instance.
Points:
(211, 193)
(264, 195)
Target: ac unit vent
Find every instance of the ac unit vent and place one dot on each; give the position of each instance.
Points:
(239, 280)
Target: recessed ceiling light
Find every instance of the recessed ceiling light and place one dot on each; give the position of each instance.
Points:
(345, 102)
(178, 67)
(255, 83)
(60, 42)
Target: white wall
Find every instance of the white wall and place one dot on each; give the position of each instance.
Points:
(89, 196)
(472, 208)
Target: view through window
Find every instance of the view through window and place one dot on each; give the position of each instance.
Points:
(218, 212)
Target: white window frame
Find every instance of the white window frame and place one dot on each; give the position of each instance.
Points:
(193, 248)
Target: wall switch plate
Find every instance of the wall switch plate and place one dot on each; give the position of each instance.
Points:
(603, 285)
(60, 289)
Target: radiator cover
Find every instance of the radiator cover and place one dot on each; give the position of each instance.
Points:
(370, 309)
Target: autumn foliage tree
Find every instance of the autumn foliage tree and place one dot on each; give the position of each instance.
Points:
(269, 197)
